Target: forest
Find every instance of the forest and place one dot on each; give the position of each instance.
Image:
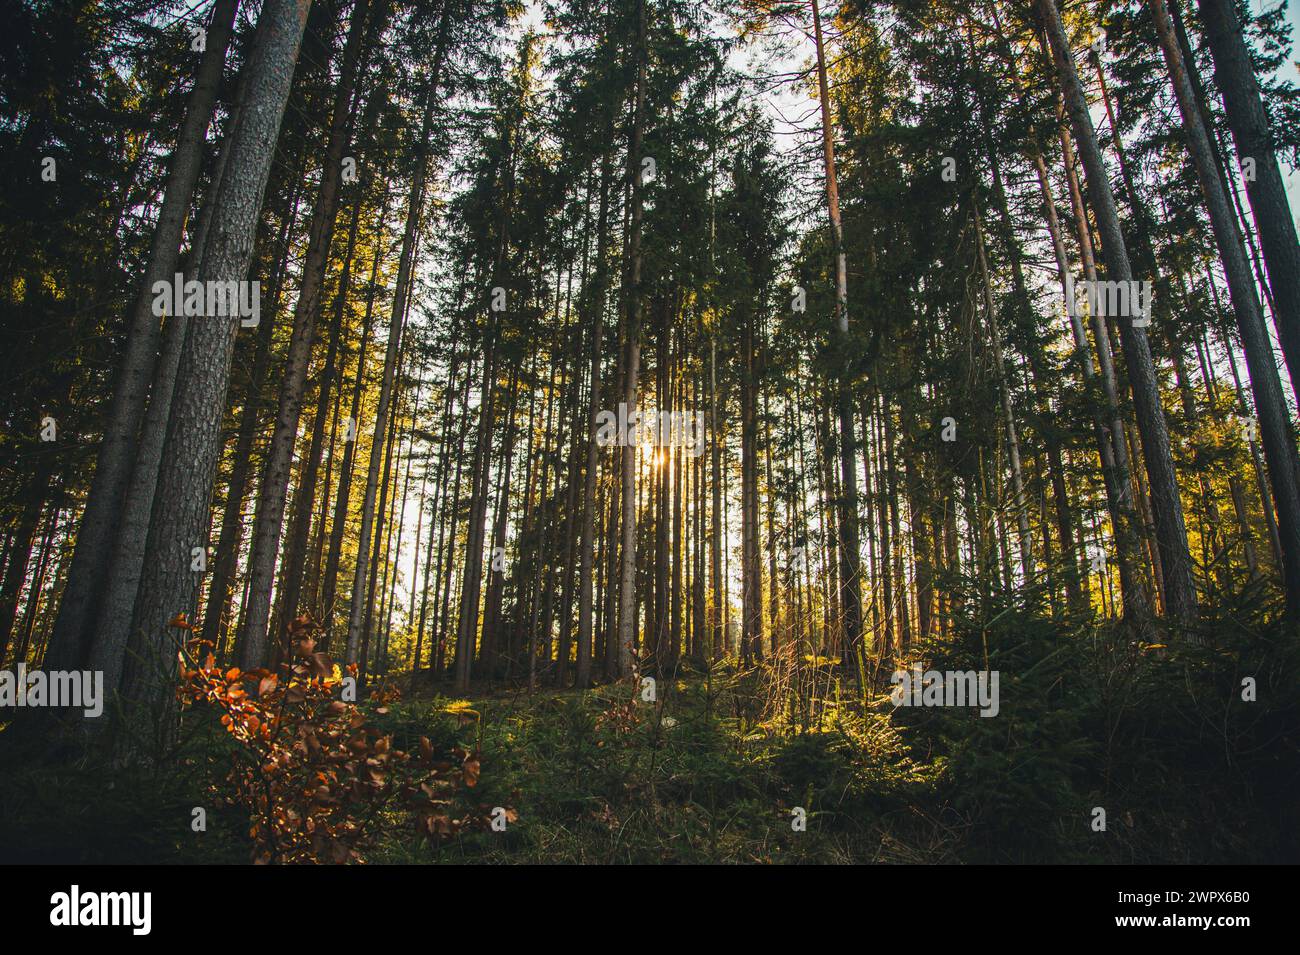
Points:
(649, 431)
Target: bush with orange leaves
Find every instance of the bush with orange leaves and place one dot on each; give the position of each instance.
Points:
(315, 779)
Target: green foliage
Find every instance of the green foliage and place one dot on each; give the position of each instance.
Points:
(1157, 735)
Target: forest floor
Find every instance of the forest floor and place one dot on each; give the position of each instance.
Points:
(743, 767)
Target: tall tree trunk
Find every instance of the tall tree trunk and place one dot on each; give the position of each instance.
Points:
(1171, 535)
(382, 523)
(45, 555)
(1270, 404)
(850, 580)
(404, 273)
(1261, 479)
(113, 631)
(292, 578)
(108, 651)
(627, 612)
(715, 640)
(1115, 480)
(751, 639)
(269, 517)
(586, 581)
(20, 552)
(220, 596)
(1249, 122)
(1008, 415)
(490, 650)
(193, 444)
(472, 580)
(343, 497)
(72, 637)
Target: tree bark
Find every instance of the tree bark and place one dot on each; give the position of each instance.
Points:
(586, 581)
(1171, 535)
(193, 444)
(404, 271)
(268, 520)
(850, 580)
(1008, 415)
(72, 637)
(1234, 74)
(627, 610)
(1270, 404)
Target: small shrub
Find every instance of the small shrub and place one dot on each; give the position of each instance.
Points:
(315, 777)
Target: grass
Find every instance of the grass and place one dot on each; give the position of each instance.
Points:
(714, 769)
(603, 777)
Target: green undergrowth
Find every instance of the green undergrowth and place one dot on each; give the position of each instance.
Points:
(1156, 735)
